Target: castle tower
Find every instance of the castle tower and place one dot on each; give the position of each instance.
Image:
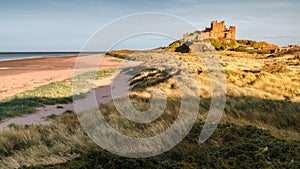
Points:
(218, 26)
(232, 30)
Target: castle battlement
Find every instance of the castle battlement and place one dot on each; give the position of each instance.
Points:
(217, 30)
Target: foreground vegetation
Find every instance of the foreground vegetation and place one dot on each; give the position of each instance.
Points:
(43, 144)
(231, 146)
(259, 129)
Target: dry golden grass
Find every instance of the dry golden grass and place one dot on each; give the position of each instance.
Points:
(255, 96)
(39, 144)
(266, 98)
(242, 55)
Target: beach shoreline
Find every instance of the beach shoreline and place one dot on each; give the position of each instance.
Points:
(12, 56)
(26, 74)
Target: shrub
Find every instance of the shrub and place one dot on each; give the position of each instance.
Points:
(234, 45)
(217, 44)
(59, 107)
(257, 45)
(182, 49)
(173, 46)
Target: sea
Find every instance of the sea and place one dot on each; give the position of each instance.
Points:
(6, 56)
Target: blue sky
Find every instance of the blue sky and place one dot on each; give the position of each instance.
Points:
(51, 25)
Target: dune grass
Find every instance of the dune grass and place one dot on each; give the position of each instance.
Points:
(259, 128)
(255, 95)
(54, 93)
(63, 144)
(231, 146)
(43, 144)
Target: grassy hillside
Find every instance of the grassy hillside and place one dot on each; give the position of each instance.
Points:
(259, 128)
(231, 146)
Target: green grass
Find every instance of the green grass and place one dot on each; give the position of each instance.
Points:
(53, 93)
(231, 146)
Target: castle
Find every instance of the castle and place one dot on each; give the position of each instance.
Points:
(217, 30)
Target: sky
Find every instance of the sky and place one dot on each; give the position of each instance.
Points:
(56, 25)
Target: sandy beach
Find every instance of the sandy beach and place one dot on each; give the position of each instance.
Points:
(21, 75)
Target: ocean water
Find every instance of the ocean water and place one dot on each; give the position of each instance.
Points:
(5, 56)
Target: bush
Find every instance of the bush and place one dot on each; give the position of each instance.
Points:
(234, 45)
(257, 45)
(173, 46)
(217, 44)
(182, 49)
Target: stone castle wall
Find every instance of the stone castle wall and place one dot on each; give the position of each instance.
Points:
(217, 30)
